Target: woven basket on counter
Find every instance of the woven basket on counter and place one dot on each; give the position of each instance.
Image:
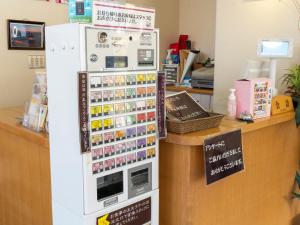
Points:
(182, 127)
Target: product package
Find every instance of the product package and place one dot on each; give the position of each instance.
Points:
(80, 11)
(36, 110)
(254, 97)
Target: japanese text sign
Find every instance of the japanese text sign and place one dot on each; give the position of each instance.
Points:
(223, 156)
(135, 214)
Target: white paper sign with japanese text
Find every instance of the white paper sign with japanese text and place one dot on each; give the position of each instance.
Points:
(112, 15)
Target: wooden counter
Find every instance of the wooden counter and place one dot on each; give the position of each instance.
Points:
(197, 138)
(260, 195)
(25, 196)
(202, 91)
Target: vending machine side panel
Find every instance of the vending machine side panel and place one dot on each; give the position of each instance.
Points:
(63, 63)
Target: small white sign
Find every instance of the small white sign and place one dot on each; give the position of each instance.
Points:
(112, 15)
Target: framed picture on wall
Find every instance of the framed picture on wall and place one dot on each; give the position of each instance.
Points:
(26, 35)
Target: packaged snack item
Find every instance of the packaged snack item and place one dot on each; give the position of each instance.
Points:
(97, 153)
(151, 128)
(108, 123)
(95, 82)
(151, 141)
(141, 117)
(119, 94)
(96, 125)
(150, 116)
(120, 121)
(108, 109)
(108, 81)
(151, 78)
(96, 96)
(120, 80)
(142, 155)
(131, 132)
(97, 167)
(109, 137)
(150, 152)
(120, 148)
(141, 92)
(141, 105)
(120, 135)
(131, 79)
(120, 108)
(130, 93)
(130, 107)
(109, 150)
(141, 143)
(131, 145)
(97, 139)
(108, 95)
(131, 158)
(96, 111)
(151, 103)
(141, 130)
(121, 161)
(141, 79)
(109, 164)
(151, 91)
(130, 120)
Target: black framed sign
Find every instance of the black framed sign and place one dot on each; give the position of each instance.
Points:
(26, 35)
(223, 155)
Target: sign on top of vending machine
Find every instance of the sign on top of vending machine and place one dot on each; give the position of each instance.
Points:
(112, 15)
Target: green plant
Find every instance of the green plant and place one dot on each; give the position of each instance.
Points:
(292, 80)
(297, 179)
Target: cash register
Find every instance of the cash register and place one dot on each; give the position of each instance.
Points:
(203, 78)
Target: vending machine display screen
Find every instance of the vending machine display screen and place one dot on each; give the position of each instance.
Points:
(116, 62)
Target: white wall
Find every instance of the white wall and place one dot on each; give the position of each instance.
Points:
(166, 20)
(197, 18)
(239, 24)
(16, 79)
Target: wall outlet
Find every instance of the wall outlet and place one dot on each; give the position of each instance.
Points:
(36, 61)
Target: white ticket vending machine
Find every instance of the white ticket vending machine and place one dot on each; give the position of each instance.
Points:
(102, 125)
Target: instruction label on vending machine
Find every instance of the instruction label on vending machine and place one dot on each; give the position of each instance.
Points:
(84, 112)
(161, 107)
(135, 214)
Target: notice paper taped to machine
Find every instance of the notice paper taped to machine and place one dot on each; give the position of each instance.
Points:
(112, 15)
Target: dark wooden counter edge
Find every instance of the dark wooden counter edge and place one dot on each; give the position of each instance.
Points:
(197, 138)
(190, 90)
(10, 123)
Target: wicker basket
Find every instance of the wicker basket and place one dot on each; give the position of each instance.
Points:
(182, 127)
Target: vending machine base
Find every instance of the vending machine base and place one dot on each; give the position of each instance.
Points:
(142, 210)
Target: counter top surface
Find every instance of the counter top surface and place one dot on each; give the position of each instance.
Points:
(9, 122)
(190, 90)
(197, 138)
